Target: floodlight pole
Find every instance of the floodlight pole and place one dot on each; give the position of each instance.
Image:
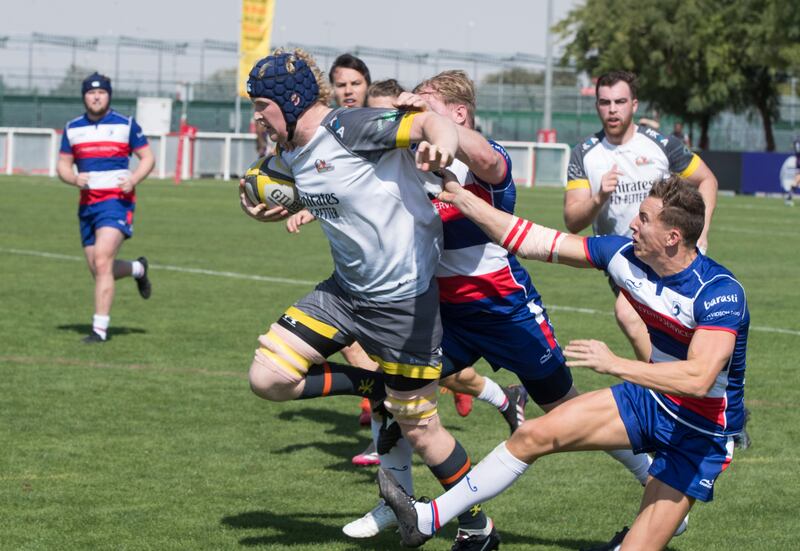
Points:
(548, 71)
(30, 64)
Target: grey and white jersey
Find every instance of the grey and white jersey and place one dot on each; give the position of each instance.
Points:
(358, 177)
(645, 159)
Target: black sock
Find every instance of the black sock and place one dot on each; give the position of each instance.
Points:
(334, 379)
(451, 472)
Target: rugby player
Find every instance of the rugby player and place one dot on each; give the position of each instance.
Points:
(99, 143)
(611, 172)
(349, 168)
(489, 306)
(685, 407)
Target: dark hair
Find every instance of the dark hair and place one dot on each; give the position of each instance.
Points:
(349, 61)
(682, 207)
(385, 88)
(613, 77)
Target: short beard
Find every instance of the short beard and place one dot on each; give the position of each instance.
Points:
(620, 131)
(97, 114)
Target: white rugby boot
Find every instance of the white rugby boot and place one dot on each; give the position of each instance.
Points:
(380, 518)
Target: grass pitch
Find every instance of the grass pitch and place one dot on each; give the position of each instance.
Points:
(154, 441)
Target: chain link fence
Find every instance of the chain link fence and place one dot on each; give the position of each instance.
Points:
(40, 79)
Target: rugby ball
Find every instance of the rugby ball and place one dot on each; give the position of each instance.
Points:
(269, 181)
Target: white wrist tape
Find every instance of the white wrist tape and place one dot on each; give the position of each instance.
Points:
(529, 240)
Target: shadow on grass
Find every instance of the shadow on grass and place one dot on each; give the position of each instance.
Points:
(340, 437)
(304, 529)
(314, 529)
(86, 328)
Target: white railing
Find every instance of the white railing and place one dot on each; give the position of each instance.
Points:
(538, 167)
(226, 155)
(34, 150)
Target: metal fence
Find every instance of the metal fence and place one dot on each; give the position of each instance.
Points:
(40, 78)
(224, 155)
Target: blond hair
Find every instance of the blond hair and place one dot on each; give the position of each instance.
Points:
(454, 87)
(325, 92)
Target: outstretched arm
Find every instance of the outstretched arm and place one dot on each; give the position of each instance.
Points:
(517, 235)
(708, 354)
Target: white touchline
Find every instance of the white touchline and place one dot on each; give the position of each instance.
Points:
(306, 283)
(172, 268)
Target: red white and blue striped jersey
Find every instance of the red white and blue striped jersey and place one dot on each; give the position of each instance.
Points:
(475, 274)
(103, 149)
(704, 296)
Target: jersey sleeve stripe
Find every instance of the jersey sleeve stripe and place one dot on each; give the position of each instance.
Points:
(403, 138)
(715, 328)
(578, 184)
(689, 170)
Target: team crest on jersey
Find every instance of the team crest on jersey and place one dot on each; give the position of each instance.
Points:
(676, 308)
(642, 161)
(322, 166)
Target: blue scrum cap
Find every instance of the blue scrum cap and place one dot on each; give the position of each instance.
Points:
(288, 81)
(94, 81)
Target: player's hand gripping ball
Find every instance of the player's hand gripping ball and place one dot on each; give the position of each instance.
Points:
(267, 181)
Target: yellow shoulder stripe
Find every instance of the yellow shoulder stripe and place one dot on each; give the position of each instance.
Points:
(317, 326)
(689, 170)
(403, 139)
(578, 184)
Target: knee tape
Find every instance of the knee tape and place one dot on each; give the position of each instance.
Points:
(279, 353)
(414, 407)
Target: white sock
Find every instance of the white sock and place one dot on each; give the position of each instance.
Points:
(100, 325)
(398, 460)
(493, 393)
(637, 464)
(494, 474)
(137, 269)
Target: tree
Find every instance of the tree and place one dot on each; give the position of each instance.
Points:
(220, 84)
(70, 85)
(520, 75)
(769, 34)
(694, 58)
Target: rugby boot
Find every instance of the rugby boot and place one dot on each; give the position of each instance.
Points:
(143, 283)
(403, 506)
(514, 414)
(378, 519)
(469, 540)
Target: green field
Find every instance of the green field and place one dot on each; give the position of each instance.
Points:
(154, 441)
